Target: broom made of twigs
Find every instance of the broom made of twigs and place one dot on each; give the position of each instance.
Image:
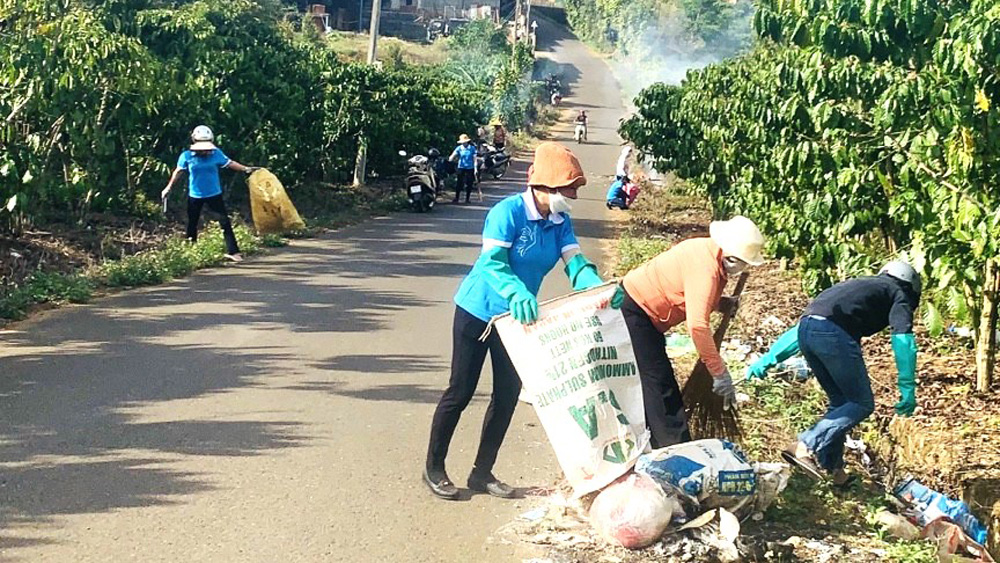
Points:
(707, 417)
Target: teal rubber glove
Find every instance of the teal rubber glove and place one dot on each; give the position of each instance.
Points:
(495, 265)
(582, 273)
(904, 347)
(786, 346)
(618, 298)
(524, 307)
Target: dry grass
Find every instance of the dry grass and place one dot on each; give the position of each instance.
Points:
(353, 47)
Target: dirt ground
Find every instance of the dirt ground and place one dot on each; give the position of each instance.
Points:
(952, 442)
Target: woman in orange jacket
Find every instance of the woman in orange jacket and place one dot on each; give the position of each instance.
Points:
(684, 283)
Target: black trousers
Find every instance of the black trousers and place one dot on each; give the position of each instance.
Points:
(661, 396)
(467, 360)
(466, 178)
(216, 205)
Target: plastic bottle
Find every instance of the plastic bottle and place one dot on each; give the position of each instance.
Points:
(933, 505)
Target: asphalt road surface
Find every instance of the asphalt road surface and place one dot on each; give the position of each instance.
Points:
(278, 410)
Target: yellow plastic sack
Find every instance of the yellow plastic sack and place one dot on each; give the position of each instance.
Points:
(272, 211)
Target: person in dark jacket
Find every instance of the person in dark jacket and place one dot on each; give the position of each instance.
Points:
(829, 336)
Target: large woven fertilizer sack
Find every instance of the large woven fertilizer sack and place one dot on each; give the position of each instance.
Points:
(272, 211)
(706, 473)
(633, 511)
(578, 368)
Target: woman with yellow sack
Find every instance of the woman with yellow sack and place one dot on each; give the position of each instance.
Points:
(524, 237)
(202, 162)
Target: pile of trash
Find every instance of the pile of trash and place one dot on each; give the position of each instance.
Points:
(685, 501)
(926, 513)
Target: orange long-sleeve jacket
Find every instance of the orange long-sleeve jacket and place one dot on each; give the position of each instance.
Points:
(683, 283)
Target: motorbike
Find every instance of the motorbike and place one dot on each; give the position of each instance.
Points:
(581, 132)
(421, 182)
(492, 161)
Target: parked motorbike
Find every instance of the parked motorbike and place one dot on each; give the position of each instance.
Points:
(421, 182)
(492, 161)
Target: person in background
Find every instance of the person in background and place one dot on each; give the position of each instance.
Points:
(829, 336)
(499, 135)
(581, 122)
(465, 157)
(202, 162)
(685, 283)
(524, 237)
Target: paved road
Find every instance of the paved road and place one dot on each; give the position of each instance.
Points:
(278, 410)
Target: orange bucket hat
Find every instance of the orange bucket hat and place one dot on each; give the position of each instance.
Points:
(555, 166)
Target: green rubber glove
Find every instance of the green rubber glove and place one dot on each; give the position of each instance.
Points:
(618, 298)
(786, 346)
(582, 273)
(904, 347)
(524, 307)
(495, 265)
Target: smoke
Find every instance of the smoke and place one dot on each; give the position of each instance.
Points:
(663, 48)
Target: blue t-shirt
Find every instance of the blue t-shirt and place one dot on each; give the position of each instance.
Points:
(534, 244)
(203, 172)
(617, 190)
(466, 156)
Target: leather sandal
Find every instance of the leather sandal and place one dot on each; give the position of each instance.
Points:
(441, 486)
(806, 463)
(490, 484)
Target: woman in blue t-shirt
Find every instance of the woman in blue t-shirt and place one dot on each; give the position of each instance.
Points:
(524, 238)
(202, 163)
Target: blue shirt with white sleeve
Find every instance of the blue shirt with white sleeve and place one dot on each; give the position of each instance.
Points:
(535, 245)
(203, 172)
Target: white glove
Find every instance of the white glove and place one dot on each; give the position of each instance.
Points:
(723, 387)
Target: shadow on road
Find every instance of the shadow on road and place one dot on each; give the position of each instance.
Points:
(72, 386)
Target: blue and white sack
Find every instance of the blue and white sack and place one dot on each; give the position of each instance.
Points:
(706, 474)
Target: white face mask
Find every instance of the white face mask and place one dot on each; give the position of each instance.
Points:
(559, 204)
(734, 266)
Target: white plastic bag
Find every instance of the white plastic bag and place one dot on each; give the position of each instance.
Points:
(633, 511)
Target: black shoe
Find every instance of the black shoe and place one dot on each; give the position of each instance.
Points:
(490, 484)
(455, 200)
(441, 485)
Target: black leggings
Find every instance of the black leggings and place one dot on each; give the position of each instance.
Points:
(467, 360)
(466, 178)
(216, 205)
(661, 395)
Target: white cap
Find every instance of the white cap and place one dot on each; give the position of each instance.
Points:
(739, 237)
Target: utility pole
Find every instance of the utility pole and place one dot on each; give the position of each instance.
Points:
(362, 162)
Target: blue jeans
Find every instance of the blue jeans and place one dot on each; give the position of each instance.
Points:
(835, 357)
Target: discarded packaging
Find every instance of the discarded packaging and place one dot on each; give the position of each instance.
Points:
(272, 210)
(952, 542)
(797, 366)
(713, 473)
(929, 505)
(718, 529)
(633, 511)
(897, 526)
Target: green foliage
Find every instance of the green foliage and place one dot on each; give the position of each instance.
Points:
(903, 551)
(852, 129)
(687, 28)
(45, 287)
(634, 251)
(484, 64)
(176, 258)
(99, 99)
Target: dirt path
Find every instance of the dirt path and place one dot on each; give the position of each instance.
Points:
(275, 411)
